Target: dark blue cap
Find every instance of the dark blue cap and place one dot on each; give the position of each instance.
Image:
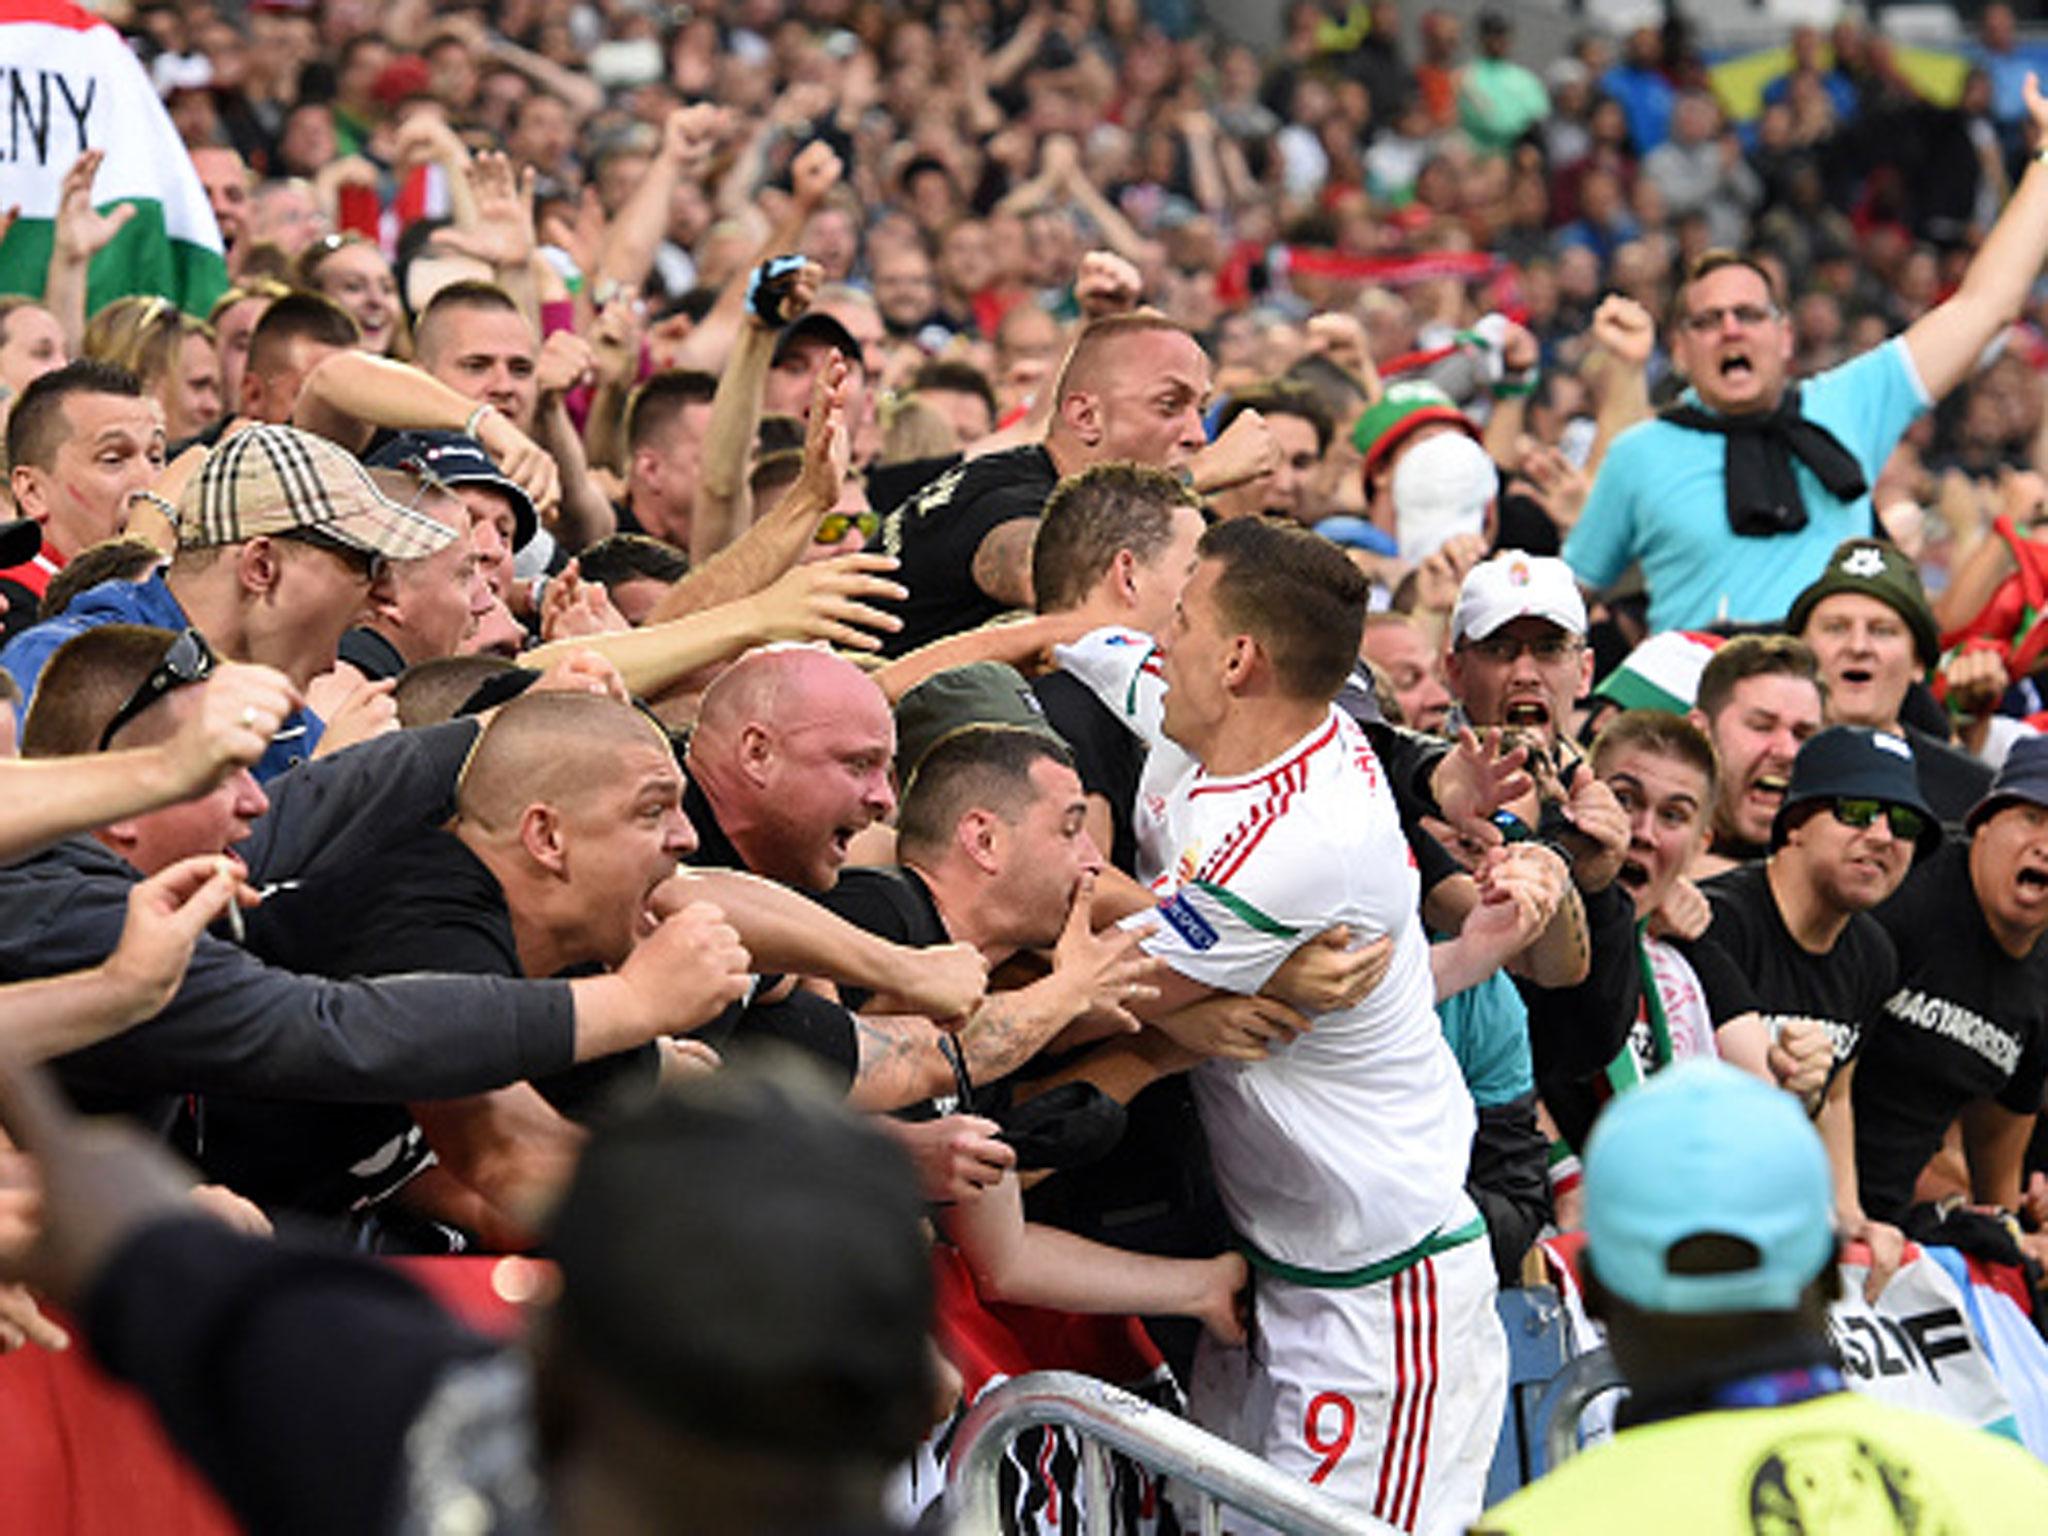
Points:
(2023, 776)
(456, 459)
(1853, 762)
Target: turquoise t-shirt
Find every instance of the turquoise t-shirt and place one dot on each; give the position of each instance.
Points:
(1487, 1029)
(1661, 498)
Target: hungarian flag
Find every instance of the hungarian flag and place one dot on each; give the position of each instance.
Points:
(69, 83)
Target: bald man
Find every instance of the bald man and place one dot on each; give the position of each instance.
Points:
(1133, 388)
(568, 818)
(789, 761)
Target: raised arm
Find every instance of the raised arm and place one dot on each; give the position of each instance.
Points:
(1946, 342)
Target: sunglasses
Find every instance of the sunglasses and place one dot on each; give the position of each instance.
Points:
(189, 660)
(1906, 823)
(367, 564)
(832, 528)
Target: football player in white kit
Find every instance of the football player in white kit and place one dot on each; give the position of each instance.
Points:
(1377, 1366)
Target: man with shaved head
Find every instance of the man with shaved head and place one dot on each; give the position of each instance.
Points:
(1132, 389)
(789, 761)
(567, 818)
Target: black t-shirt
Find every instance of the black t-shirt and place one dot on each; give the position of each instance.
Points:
(812, 1024)
(425, 905)
(936, 533)
(1843, 990)
(1952, 780)
(1967, 1022)
(1108, 755)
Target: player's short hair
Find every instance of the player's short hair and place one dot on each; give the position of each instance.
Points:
(1663, 733)
(1296, 594)
(84, 685)
(298, 315)
(660, 399)
(1092, 515)
(631, 557)
(1748, 656)
(38, 426)
(976, 768)
(1280, 397)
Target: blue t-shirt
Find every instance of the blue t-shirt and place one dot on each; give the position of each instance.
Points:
(1661, 498)
(1487, 1029)
(148, 602)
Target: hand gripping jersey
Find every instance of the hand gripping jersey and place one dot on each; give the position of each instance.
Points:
(1347, 1146)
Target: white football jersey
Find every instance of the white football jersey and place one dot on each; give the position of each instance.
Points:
(1349, 1144)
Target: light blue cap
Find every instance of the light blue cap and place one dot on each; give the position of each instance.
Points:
(1704, 1148)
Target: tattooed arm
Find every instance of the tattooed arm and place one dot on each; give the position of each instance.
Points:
(1002, 561)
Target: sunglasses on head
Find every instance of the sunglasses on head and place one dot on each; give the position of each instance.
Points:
(1906, 823)
(189, 660)
(832, 527)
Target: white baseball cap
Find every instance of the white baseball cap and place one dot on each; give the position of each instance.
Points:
(1514, 586)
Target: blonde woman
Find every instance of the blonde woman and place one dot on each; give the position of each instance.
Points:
(351, 271)
(173, 353)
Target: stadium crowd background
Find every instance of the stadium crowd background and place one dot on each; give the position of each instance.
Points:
(672, 335)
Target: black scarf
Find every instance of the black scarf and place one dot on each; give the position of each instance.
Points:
(1763, 492)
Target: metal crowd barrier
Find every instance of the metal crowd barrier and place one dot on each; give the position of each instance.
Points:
(1104, 1418)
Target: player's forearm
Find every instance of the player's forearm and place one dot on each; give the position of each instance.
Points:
(656, 657)
(55, 1015)
(585, 516)
(1562, 954)
(751, 562)
(376, 392)
(788, 933)
(721, 506)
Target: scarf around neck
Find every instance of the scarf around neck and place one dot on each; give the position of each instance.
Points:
(1762, 488)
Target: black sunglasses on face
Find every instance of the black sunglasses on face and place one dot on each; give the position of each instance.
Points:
(189, 660)
(1905, 822)
(367, 564)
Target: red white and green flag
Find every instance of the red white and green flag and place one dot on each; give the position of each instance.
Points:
(69, 83)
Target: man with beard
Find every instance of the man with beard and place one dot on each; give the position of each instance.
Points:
(1759, 700)
(1800, 928)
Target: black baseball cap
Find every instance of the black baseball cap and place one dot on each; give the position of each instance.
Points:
(816, 326)
(1853, 762)
(457, 459)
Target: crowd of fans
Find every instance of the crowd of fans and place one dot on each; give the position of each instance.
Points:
(1231, 645)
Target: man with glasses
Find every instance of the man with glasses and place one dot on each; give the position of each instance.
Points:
(282, 538)
(1798, 925)
(1733, 500)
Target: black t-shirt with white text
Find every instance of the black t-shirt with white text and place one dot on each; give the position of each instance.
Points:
(1844, 989)
(937, 531)
(1967, 1022)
